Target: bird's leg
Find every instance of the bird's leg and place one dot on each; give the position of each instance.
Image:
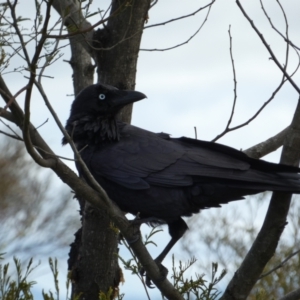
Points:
(176, 230)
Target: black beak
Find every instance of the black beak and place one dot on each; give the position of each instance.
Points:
(123, 98)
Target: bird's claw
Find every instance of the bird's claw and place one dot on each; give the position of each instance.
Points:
(163, 272)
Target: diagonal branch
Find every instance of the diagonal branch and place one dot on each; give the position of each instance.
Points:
(268, 146)
(185, 42)
(181, 17)
(286, 39)
(280, 265)
(294, 295)
(282, 69)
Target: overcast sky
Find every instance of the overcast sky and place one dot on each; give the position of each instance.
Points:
(192, 86)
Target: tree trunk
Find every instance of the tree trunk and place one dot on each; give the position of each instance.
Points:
(117, 47)
(93, 260)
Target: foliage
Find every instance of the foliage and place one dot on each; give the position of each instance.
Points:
(194, 287)
(19, 286)
(198, 289)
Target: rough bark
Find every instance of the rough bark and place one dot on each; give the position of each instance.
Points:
(117, 47)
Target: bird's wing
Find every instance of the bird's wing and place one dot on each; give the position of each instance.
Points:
(142, 158)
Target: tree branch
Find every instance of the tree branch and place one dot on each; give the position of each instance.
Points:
(286, 39)
(181, 17)
(294, 295)
(272, 144)
(185, 42)
(227, 129)
(266, 242)
(282, 69)
(280, 265)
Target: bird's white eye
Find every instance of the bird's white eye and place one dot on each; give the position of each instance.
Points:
(101, 96)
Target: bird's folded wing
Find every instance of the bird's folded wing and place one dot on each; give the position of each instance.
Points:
(150, 159)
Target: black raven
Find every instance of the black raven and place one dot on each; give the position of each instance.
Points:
(159, 177)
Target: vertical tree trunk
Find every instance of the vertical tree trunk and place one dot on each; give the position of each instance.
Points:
(93, 258)
(118, 46)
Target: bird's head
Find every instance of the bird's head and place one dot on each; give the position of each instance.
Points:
(103, 100)
(93, 112)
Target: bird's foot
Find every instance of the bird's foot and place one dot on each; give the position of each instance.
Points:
(136, 234)
(163, 272)
(135, 226)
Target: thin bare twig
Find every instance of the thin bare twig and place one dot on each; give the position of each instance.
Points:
(227, 129)
(287, 35)
(47, 163)
(137, 263)
(55, 155)
(268, 48)
(181, 17)
(285, 78)
(254, 116)
(287, 40)
(14, 97)
(16, 136)
(8, 116)
(16, 27)
(106, 12)
(185, 42)
(11, 136)
(280, 265)
(153, 2)
(82, 31)
(42, 124)
(116, 44)
(52, 53)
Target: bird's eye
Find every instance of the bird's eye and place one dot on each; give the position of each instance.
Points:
(101, 96)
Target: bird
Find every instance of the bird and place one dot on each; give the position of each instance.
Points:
(159, 178)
